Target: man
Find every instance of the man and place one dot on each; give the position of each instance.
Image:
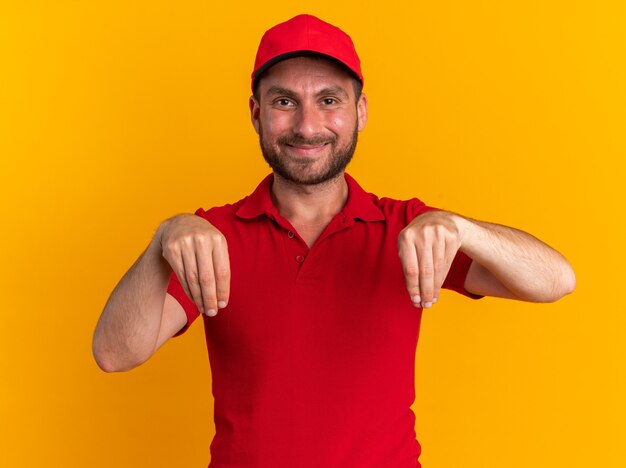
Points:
(319, 285)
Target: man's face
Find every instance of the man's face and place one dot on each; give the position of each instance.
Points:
(307, 119)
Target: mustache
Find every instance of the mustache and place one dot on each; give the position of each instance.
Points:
(298, 140)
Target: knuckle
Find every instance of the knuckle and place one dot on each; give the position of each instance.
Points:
(199, 240)
(222, 293)
(424, 234)
(192, 277)
(169, 249)
(412, 271)
(428, 270)
(405, 237)
(217, 238)
(222, 273)
(427, 291)
(186, 240)
(413, 289)
(441, 230)
(206, 279)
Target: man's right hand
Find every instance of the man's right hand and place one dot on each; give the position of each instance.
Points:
(198, 254)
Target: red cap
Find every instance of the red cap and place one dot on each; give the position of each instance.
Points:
(302, 35)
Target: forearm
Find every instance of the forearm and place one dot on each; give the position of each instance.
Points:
(127, 332)
(527, 267)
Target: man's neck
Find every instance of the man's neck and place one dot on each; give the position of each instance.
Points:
(309, 208)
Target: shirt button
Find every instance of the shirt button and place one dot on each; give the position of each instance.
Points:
(290, 235)
(299, 259)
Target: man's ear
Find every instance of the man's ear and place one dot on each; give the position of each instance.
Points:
(361, 111)
(255, 110)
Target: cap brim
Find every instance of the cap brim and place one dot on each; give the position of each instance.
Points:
(300, 53)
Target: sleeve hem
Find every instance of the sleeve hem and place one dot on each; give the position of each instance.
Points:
(455, 280)
(175, 290)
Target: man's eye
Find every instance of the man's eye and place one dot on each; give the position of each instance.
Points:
(329, 101)
(283, 102)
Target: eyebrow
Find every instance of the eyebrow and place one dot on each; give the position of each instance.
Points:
(280, 91)
(277, 90)
(336, 90)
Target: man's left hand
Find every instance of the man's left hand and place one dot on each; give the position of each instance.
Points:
(426, 248)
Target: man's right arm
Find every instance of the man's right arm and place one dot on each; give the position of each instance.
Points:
(140, 316)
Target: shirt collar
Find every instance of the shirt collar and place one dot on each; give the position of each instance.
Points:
(360, 205)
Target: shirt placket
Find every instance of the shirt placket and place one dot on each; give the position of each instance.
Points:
(298, 252)
(296, 249)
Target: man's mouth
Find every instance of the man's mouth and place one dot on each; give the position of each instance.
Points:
(307, 150)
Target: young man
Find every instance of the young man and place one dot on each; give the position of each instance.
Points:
(319, 285)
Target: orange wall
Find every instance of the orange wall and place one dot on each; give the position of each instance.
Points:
(115, 115)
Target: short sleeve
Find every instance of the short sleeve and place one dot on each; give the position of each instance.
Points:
(455, 280)
(175, 290)
(415, 207)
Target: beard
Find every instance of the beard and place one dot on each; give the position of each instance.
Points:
(301, 170)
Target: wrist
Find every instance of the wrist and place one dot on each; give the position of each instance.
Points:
(156, 244)
(466, 229)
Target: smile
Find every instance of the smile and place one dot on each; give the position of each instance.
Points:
(307, 150)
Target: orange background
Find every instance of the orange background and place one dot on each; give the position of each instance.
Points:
(115, 115)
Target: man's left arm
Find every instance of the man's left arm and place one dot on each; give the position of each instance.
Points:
(506, 262)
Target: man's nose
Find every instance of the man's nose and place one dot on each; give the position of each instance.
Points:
(309, 121)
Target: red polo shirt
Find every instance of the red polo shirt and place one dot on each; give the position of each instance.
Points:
(313, 359)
